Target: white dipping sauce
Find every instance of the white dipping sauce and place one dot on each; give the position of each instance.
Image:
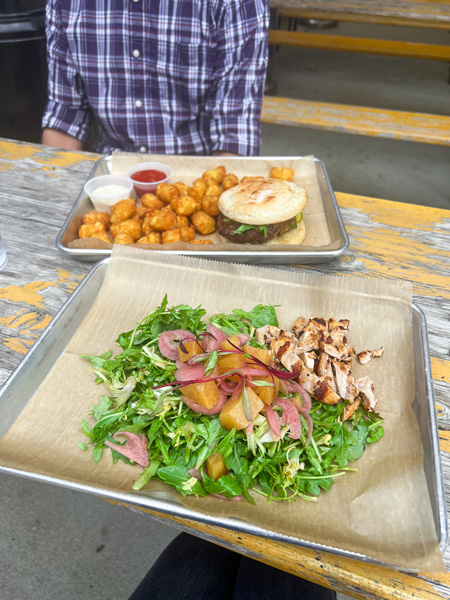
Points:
(106, 192)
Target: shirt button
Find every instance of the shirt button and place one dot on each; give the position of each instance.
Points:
(136, 53)
(135, 0)
(138, 103)
(142, 149)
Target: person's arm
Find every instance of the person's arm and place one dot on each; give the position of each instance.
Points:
(236, 93)
(67, 117)
(59, 139)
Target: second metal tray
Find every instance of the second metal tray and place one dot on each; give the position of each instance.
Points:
(337, 246)
(33, 369)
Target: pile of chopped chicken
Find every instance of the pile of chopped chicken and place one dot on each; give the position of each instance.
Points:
(317, 348)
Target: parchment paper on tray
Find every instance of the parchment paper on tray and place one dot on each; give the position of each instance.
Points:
(382, 511)
(189, 168)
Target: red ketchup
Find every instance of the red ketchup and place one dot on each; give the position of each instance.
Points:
(147, 176)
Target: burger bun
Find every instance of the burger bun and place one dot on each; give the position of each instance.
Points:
(264, 202)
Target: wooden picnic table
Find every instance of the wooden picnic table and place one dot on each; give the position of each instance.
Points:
(387, 239)
(412, 13)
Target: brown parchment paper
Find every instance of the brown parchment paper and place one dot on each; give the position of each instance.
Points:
(382, 511)
(189, 168)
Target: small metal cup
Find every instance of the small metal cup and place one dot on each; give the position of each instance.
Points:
(3, 257)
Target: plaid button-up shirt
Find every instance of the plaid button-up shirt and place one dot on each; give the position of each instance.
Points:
(162, 76)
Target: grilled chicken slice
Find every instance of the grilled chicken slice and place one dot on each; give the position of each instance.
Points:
(309, 360)
(345, 385)
(329, 378)
(299, 325)
(317, 324)
(367, 392)
(378, 353)
(364, 356)
(322, 364)
(344, 364)
(335, 349)
(325, 394)
(283, 347)
(341, 325)
(265, 334)
(309, 340)
(350, 409)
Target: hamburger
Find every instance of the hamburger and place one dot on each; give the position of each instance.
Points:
(263, 211)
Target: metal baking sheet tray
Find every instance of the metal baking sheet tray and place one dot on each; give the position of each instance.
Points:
(30, 373)
(338, 245)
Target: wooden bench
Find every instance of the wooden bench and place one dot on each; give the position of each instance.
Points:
(393, 124)
(406, 13)
(425, 128)
(355, 44)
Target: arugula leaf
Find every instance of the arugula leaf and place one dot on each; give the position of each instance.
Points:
(261, 315)
(227, 485)
(178, 477)
(243, 228)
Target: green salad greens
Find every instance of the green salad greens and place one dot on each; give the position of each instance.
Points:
(144, 403)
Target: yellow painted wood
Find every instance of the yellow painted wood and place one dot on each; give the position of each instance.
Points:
(342, 17)
(362, 580)
(440, 369)
(28, 304)
(353, 44)
(422, 13)
(393, 124)
(399, 241)
(444, 441)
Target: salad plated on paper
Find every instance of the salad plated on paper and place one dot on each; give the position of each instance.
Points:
(234, 406)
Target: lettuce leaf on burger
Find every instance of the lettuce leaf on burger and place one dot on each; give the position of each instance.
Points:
(265, 211)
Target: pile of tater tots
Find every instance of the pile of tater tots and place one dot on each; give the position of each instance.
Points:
(174, 213)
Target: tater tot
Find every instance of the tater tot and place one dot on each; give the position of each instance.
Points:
(217, 174)
(213, 190)
(167, 192)
(198, 188)
(187, 233)
(114, 229)
(282, 173)
(151, 201)
(90, 229)
(255, 178)
(132, 227)
(203, 222)
(97, 217)
(162, 220)
(230, 181)
(146, 227)
(123, 238)
(123, 210)
(210, 204)
(151, 238)
(169, 237)
(185, 205)
(182, 221)
(182, 187)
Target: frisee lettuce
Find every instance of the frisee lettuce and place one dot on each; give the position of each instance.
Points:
(180, 440)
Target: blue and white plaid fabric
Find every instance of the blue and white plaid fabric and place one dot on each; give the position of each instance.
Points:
(161, 76)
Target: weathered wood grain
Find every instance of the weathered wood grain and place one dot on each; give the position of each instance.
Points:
(422, 13)
(39, 186)
(358, 120)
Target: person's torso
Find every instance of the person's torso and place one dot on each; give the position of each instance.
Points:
(146, 67)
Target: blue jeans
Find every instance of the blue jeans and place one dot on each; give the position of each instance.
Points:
(194, 569)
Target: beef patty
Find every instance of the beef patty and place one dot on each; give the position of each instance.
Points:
(257, 234)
